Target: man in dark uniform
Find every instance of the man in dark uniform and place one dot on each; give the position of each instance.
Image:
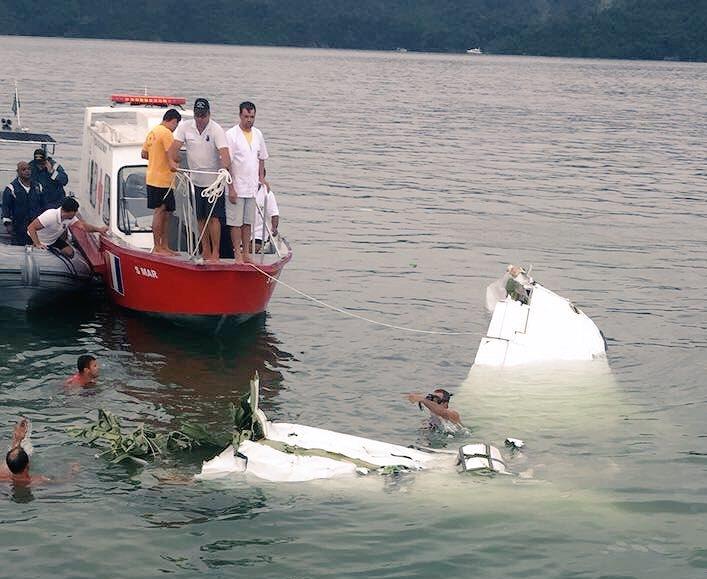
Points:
(51, 176)
(22, 201)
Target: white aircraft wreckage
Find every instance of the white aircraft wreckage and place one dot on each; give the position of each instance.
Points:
(283, 452)
(531, 324)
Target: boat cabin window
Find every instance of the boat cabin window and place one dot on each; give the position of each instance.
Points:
(106, 200)
(133, 214)
(93, 183)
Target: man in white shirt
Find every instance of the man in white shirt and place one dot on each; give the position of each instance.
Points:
(248, 154)
(267, 208)
(50, 228)
(207, 150)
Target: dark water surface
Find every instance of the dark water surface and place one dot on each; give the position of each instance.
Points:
(406, 183)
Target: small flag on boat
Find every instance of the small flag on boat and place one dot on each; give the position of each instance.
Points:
(15, 103)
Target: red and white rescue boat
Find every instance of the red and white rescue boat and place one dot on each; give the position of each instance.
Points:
(113, 191)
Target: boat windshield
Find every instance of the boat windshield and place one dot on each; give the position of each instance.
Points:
(133, 214)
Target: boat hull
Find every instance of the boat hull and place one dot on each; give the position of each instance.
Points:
(183, 290)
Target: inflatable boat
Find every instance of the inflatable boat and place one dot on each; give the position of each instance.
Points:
(31, 278)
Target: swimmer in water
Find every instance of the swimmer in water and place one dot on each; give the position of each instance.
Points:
(87, 372)
(441, 416)
(16, 467)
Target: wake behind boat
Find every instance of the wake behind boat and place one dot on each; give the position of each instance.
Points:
(113, 190)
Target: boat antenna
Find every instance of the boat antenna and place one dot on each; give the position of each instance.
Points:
(16, 108)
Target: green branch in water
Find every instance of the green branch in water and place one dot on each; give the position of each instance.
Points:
(143, 442)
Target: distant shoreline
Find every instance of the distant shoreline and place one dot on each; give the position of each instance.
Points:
(400, 50)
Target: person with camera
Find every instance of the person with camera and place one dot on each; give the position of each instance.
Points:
(437, 403)
(51, 176)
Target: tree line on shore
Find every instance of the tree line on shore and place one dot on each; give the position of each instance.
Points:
(655, 29)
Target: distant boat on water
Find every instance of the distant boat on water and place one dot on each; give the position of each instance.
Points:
(476, 50)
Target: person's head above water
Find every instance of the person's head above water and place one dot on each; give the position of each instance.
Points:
(87, 366)
(17, 460)
(437, 403)
(440, 396)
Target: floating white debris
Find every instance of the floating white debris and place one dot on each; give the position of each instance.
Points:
(515, 442)
(293, 452)
(474, 457)
(532, 324)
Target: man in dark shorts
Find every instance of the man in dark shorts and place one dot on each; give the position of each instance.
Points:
(50, 228)
(160, 174)
(207, 152)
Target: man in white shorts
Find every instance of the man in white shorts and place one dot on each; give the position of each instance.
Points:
(248, 154)
(207, 151)
(50, 228)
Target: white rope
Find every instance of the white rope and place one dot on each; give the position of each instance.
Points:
(217, 188)
(353, 315)
(211, 194)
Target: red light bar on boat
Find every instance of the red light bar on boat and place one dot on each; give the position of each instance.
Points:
(155, 101)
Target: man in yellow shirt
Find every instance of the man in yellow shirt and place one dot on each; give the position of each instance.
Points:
(160, 172)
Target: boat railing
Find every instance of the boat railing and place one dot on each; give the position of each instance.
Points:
(186, 213)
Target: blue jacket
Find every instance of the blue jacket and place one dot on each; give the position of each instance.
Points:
(21, 207)
(52, 183)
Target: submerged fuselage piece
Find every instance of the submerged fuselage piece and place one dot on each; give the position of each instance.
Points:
(531, 324)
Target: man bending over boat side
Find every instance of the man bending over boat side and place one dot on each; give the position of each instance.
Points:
(160, 174)
(207, 151)
(50, 228)
(22, 201)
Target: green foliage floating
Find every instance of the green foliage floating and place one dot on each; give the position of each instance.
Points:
(143, 442)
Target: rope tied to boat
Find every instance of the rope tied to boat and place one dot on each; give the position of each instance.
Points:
(210, 193)
(352, 314)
